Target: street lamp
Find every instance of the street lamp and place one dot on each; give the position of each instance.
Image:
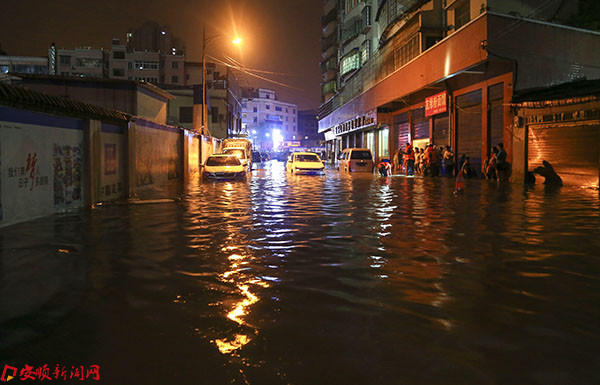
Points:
(205, 43)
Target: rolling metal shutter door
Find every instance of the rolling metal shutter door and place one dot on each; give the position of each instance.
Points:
(402, 128)
(420, 124)
(496, 117)
(572, 149)
(441, 128)
(468, 128)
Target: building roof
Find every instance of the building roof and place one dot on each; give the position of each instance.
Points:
(32, 100)
(148, 86)
(578, 91)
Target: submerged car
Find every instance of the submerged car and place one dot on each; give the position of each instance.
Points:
(223, 166)
(305, 163)
(241, 154)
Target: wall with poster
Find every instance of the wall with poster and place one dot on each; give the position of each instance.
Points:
(157, 153)
(209, 146)
(41, 164)
(113, 162)
(192, 142)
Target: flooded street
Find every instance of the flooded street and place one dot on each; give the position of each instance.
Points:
(334, 279)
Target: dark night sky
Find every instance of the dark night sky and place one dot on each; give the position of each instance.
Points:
(282, 36)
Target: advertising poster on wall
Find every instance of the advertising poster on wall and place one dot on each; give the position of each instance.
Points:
(40, 170)
(67, 175)
(110, 159)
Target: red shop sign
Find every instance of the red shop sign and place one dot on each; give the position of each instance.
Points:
(436, 104)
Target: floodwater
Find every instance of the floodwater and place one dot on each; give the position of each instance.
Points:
(334, 279)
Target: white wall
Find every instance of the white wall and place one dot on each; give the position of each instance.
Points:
(54, 181)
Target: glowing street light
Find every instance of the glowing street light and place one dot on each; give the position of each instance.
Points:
(205, 43)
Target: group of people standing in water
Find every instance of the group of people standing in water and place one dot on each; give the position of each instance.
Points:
(437, 161)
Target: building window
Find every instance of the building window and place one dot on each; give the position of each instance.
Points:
(65, 60)
(350, 63)
(88, 62)
(187, 76)
(118, 72)
(294, 120)
(186, 114)
(175, 65)
(461, 14)
(255, 119)
(146, 65)
(277, 108)
(286, 110)
(350, 4)
(162, 78)
(118, 55)
(366, 50)
(268, 96)
(174, 79)
(268, 107)
(366, 16)
(430, 41)
(294, 113)
(255, 109)
(287, 118)
(215, 114)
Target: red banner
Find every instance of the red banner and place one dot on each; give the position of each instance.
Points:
(436, 104)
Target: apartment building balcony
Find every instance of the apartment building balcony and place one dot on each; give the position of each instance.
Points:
(329, 17)
(328, 42)
(397, 70)
(329, 5)
(488, 46)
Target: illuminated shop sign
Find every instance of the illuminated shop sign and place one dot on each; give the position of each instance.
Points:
(436, 104)
(357, 123)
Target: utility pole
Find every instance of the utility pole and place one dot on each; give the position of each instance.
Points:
(204, 107)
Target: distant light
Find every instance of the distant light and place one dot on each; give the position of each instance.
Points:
(254, 132)
(237, 41)
(277, 138)
(163, 32)
(268, 134)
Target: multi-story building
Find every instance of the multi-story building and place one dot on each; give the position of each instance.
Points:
(271, 124)
(154, 37)
(444, 72)
(82, 61)
(308, 130)
(224, 100)
(23, 64)
(329, 43)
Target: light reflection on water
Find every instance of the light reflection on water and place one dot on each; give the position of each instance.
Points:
(339, 278)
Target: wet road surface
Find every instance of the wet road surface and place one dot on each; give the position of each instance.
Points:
(330, 279)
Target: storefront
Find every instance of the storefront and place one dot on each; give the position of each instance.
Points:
(370, 130)
(564, 131)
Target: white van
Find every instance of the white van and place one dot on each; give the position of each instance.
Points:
(356, 159)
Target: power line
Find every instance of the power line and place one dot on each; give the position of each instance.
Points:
(246, 71)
